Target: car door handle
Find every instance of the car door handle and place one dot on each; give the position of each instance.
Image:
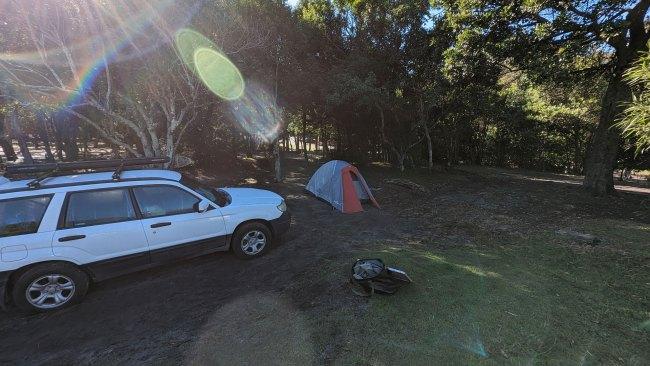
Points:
(160, 224)
(71, 238)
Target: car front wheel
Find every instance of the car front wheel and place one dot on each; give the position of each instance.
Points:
(251, 240)
(48, 287)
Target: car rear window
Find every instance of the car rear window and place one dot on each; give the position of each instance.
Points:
(22, 215)
(99, 207)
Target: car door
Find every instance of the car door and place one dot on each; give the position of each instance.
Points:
(173, 226)
(20, 229)
(101, 229)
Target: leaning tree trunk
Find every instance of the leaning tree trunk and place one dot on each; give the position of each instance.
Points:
(601, 157)
(8, 148)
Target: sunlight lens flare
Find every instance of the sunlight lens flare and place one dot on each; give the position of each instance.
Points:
(64, 74)
(205, 59)
(187, 42)
(252, 108)
(219, 74)
(257, 114)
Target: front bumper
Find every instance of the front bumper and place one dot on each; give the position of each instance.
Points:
(4, 296)
(281, 224)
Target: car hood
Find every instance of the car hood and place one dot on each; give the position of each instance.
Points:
(252, 196)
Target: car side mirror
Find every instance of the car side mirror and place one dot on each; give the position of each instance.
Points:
(202, 206)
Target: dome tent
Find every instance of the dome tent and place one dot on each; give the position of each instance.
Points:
(341, 184)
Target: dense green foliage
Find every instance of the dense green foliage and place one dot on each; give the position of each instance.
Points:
(636, 122)
(415, 83)
(497, 83)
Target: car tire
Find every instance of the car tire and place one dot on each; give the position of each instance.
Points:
(49, 287)
(251, 240)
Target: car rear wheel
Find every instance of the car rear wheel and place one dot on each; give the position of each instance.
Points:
(251, 240)
(48, 287)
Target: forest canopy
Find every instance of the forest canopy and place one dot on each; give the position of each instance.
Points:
(542, 85)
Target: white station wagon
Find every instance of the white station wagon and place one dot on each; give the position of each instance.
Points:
(60, 232)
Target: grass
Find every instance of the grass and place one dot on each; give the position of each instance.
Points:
(539, 300)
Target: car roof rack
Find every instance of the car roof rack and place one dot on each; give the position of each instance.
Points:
(48, 170)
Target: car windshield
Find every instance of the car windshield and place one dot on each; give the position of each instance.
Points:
(217, 196)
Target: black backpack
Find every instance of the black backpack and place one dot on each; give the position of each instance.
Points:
(369, 276)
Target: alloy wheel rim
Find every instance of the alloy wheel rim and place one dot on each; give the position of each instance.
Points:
(50, 291)
(253, 242)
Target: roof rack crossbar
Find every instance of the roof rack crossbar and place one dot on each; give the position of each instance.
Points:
(50, 169)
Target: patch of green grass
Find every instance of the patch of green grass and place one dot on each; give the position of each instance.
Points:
(523, 301)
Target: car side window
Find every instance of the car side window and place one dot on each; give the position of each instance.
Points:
(90, 208)
(156, 201)
(22, 216)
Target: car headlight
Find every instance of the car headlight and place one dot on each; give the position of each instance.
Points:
(282, 206)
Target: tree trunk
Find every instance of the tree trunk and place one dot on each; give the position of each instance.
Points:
(70, 146)
(249, 151)
(22, 142)
(8, 149)
(304, 133)
(5, 142)
(152, 141)
(85, 137)
(58, 141)
(325, 141)
(398, 155)
(147, 148)
(601, 157)
(170, 146)
(41, 125)
(285, 142)
(277, 161)
(427, 134)
(276, 144)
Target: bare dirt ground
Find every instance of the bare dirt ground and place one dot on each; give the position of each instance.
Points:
(220, 310)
